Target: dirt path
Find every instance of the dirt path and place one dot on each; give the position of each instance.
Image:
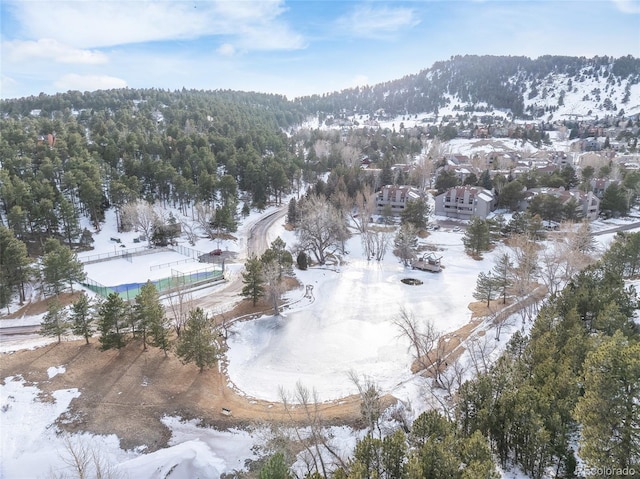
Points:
(451, 345)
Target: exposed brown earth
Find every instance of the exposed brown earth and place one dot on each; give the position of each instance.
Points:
(127, 392)
(39, 307)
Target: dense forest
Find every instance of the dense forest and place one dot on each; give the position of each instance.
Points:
(74, 155)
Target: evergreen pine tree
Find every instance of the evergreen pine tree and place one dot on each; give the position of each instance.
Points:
(292, 212)
(14, 266)
(197, 343)
(609, 409)
(415, 212)
(82, 317)
(55, 322)
(112, 315)
(302, 260)
(275, 468)
(150, 316)
(278, 254)
(502, 276)
(253, 280)
(486, 288)
(59, 266)
(406, 243)
(477, 238)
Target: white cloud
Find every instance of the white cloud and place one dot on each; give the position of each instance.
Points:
(92, 24)
(627, 6)
(8, 87)
(273, 36)
(369, 22)
(73, 81)
(46, 48)
(227, 49)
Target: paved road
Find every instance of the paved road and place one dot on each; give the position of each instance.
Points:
(15, 330)
(258, 241)
(627, 227)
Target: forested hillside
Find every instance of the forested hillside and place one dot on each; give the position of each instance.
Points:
(491, 82)
(75, 153)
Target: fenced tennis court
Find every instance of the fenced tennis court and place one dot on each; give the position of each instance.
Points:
(168, 269)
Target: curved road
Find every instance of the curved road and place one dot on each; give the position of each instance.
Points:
(258, 241)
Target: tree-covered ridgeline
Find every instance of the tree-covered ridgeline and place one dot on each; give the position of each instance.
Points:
(77, 154)
(497, 81)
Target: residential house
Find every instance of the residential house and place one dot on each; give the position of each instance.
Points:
(599, 185)
(395, 196)
(465, 202)
(461, 172)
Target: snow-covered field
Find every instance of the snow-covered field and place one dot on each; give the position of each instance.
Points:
(32, 447)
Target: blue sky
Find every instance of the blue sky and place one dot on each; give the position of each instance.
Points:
(294, 47)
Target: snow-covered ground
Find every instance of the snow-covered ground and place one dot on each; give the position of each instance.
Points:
(32, 446)
(350, 325)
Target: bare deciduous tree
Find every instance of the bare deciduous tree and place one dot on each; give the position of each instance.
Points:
(180, 303)
(313, 438)
(321, 228)
(364, 207)
(480, 349)
(142, 216)
(551, 271)
(453, 376)
(380, 239)
(85, 462)
(423, 172)
(190, 232)
(524, 274)
(274, 283)
(427, 348)
(578, 248)
(204, 214)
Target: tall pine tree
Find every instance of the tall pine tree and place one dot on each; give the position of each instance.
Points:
(82, 317)
(55, 322)
(253, 280)
(197, 343)
(112, 316)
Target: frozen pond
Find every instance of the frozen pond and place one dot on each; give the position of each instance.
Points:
(350, 325)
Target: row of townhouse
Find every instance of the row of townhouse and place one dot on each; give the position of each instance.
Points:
(466, 202)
